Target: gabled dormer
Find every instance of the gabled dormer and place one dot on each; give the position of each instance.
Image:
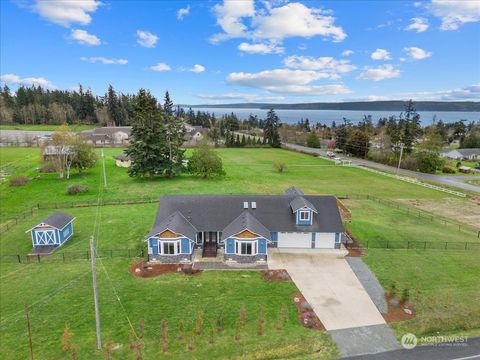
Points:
(303, 210)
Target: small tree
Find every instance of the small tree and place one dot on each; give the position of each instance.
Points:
(280, 167)
(199, 323)
(261, 321)
(211, 335)
(191, 343)
(59, 150)
(205, 162)
(242, 318)
(405, 295)
(164, 336)
(393, 289)
(313, 141)
(84, 156)
(181, 329)
(67, 343)
(237, 331)
(282, 317)
(220, 323)
(108, 349)
(135, 345)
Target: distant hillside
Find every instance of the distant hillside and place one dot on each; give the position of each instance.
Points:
(395, 105)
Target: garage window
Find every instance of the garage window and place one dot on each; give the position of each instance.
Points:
(305, 215)
(246, 247)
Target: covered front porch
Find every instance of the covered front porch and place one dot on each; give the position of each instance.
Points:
(208, 242)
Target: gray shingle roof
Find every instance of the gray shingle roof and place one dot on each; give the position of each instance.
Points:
(177, 223)
(215, 212)
(293, 191)
(468, 152)
(245, 221)
(299, 202)
(57, 220)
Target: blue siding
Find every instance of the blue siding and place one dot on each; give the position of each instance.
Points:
(65, 233)
(314, 236)
(35, 236)
(185, 246)
(230, 247)
(274, 236)
(153, 243)
(262, 246)
(338, 237)
(303, 222)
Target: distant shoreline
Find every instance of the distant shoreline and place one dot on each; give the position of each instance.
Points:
(397, 105)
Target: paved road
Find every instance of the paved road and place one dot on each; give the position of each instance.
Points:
(455, 181)
(469, 350)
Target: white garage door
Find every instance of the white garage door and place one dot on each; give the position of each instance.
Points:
(325, 240)
(294, 240)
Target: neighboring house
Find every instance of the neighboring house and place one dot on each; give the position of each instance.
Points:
(51, 232)
(123, 160)
(53, 151)
(110, 135)
(193, 134)
(243, 226)
(462, 154)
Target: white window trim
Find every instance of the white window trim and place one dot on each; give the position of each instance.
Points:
(238, 246)
(304, 212)
(178, 247)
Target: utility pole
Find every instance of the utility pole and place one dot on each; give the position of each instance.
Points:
(27, 315)
(400, 158)
(93, 255)
(104, 173)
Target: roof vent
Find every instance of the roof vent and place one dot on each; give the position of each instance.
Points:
(245, 204)
(254, 205)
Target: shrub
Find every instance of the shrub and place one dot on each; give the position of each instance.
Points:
(242, 316)
(393, 289)
(261, 321)
(199, 323)
(459, 163)
(164, 335)
(448, 170)
(19, 181)
(76, 189)
(237, 331)
(280, 167)
(48, 167)
(181, 330)
(211, 335)
(220, 323)
(282, 317)
(405, 295)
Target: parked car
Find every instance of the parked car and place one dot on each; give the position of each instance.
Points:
(330, 154)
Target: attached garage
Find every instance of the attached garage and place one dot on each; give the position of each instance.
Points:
(294, 240)
(325, 240)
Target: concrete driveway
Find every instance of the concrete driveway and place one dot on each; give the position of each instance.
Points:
(331, 287)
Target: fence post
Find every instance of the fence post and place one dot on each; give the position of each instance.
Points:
(143, 253)
(38, 257)
(19, 258)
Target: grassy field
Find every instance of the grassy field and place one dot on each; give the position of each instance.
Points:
(75, 127)
(445, 285)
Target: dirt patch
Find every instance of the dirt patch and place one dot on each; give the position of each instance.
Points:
(276, 275)
(398, 310)
(355, 249)
(466, 211)
(306, 315)
(147, 270)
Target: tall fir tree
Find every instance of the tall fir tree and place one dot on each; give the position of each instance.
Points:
(147, 149)
(271, 134)
(175, 136)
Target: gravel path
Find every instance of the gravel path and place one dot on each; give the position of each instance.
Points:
(369, 282)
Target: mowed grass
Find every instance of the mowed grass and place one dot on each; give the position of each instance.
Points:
(75, 127)
(248, 171)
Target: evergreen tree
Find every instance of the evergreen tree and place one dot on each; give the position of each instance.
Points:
(237, 141)
(147, 149)
(271, 129)
(113, 106)
(175, 135)
(167, 104)
(244, 141)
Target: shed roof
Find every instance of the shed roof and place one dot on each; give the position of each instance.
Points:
(57, 220)
(245, 221)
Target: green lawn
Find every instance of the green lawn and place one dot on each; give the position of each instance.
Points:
(75, 127)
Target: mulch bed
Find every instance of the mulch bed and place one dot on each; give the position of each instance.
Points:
(146, 270)
(396, 310)
(276, 275)
(306, 315)
(355, 249)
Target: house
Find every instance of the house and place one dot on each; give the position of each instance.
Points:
(51, 232)
(242, 227)
(462, 154)
(53, 151)
(123, 160)
(193, 134)
(109, 135)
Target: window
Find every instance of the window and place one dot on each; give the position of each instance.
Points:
(246, 247)
(305, 215)
(169, 247)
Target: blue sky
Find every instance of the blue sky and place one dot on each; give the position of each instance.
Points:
(237, 51)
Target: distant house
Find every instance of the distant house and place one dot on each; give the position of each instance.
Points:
(193, 134)
(51, 232)
(243, 227)
(462, 154)
(123, 160)
(53, 151)
(110, 135)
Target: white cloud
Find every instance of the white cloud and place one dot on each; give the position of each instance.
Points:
(416, 53)
(146, 39)
(454, 14)
(382, 72)
(247, 97)
(347, 52)
(197, 68)
(64, 12)
(274, 23)
(380, 54)
(29, 81)
(84, 38)
(327, 65)
(181, 13)
(418, 24)
(103, 60)
(286, 81)
(160, 67)
(260, 48)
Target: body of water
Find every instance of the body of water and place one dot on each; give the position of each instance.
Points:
(327, 116)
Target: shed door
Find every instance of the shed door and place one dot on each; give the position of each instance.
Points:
(45, 237)
(294, 240)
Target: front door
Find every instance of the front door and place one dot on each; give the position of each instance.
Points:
(210, 244)
(211, 238)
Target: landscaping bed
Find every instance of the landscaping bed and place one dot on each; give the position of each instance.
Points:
(276, 275)
(145, 269)
(398, 310)
(307, 316)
